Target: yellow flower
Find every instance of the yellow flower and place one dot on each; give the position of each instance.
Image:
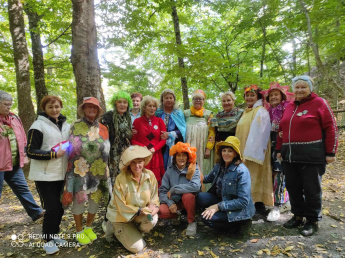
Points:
(93, 133)
(97, 196)
(81, 167)
(98, 167)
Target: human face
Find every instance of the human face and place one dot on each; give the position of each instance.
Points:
(150, 109)
(198, 102)
(301, 90)
(5, 107)
(250, 98)
(53, 109)
(137, 165)
(228, 154)
(168, 101)
(227, 103)
(181, 159)
(136, 102)
(90, 111)
(121, 106)
(275, 97)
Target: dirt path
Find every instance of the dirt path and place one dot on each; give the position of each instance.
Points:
(264, 238)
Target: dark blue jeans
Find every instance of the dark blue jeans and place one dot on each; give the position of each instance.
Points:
(303, 182)
(16, 180)
(219, 220)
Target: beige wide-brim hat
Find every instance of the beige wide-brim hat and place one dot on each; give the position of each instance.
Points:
(233, 142)
(134, 152)
(93, 101)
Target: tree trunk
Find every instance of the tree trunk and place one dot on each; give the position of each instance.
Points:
(263, 53)
(21, 60)
(294, 58)
(180, 59)
(37, 60)
(84, 56)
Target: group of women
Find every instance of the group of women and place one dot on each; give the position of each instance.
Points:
(156, 164)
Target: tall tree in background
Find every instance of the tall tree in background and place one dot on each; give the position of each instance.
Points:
(37, 53)
(180, 57)
(84, 52)
(21, 59)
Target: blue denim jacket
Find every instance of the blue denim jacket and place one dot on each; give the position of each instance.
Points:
(236, 191)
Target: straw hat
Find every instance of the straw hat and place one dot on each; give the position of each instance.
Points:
(93, 101)
(233, 142)
(134, 152)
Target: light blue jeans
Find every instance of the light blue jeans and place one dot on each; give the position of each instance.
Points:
(16, 180)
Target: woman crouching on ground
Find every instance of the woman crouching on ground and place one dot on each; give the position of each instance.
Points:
(228, 204)
(134, 207)
(180, 183)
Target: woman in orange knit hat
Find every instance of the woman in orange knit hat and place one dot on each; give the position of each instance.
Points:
(180, 184)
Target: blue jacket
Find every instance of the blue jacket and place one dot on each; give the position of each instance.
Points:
(177, 184)
(236, 191)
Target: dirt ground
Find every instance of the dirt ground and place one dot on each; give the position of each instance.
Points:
(264, 239)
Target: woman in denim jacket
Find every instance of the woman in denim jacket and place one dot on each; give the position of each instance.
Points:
(228, 204)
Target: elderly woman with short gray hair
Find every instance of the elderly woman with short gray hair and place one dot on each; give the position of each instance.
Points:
(308, 140)
(13, 158)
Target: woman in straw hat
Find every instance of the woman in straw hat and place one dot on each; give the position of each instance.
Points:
(228, 204)
(87, 177)
(179, 186)
(134, 206)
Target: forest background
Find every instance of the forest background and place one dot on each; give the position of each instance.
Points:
(74, 48)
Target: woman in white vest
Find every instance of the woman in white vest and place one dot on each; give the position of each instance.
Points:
(48, 166)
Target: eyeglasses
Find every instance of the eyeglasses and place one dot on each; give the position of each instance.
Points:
(8, 105)
(198, 99)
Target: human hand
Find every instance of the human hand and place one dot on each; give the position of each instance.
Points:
(169, 195)
(207, 153)
(280, 134)
(60, 152)
(153, 208)
(152, 150)
(330, 160)
(210, 211)
(134, 131)
(164, 135)
(173, 208)
(279, 156)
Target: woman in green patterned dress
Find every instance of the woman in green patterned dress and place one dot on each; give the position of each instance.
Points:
(87, 177)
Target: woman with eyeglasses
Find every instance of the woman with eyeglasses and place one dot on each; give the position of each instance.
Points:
(197, 120)
(254, 130)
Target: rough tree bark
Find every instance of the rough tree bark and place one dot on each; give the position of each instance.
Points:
(180, 59)
(84, 57)
(21, 60)
(37, 60)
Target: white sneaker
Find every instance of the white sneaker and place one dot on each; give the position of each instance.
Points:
(50, 247)
(191, 229)
(274, 214)
(286, 207)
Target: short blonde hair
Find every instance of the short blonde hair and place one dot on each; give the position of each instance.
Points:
(146, 100)
(228, 93)
(163, 94)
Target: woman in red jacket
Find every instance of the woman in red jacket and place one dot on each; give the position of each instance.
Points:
(308, 141)
(149, 128)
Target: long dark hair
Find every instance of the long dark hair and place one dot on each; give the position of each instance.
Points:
(220, 159)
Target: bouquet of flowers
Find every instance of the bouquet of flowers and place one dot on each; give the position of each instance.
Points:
(5, 130)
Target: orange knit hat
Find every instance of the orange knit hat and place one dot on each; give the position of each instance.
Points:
(191, 151)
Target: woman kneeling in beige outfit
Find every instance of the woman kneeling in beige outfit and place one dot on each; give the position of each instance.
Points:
(134, 206)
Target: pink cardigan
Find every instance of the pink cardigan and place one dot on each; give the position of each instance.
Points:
(5, 147)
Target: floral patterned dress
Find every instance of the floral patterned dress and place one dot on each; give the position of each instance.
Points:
(87, 169)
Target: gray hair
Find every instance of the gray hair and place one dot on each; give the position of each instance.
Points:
(146, 100)
(228, 93)
(163, 94)
(5, 96)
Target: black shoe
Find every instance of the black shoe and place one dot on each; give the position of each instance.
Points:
(293, 223)
(39, 217)
(260, 208)
(310, 228)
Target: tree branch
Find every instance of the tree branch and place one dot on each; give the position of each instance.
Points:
(62, 34)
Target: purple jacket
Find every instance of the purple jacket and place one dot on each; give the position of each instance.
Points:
(5, 147)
